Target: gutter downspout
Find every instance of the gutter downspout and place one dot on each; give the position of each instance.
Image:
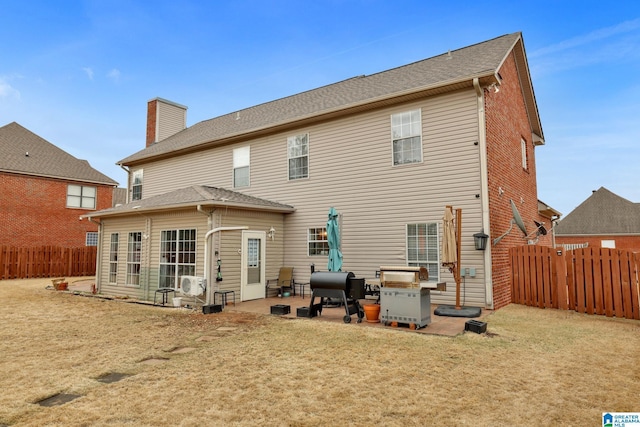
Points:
(206, 256)
(98, 257)
(128, 180)
(484, 190)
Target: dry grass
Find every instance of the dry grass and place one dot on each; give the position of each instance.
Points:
(534, 367)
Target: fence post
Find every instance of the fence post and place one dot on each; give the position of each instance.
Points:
(561, 279)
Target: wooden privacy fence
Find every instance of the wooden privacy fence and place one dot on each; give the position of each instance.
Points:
(588, 280)
(46, 261)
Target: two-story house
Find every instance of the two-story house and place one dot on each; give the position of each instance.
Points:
(45, 191)
(238, 196)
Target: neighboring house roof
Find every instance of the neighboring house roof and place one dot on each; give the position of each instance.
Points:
(603, 213)
(25, 153)
(196, 195)
(119, 196)
(450, 71)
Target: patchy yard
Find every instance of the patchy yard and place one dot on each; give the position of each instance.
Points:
(130, 364)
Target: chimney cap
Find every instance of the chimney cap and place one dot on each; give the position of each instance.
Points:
(166, 101)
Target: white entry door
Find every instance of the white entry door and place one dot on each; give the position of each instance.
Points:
(252, 275)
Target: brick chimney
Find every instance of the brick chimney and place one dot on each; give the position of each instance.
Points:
(164, 119)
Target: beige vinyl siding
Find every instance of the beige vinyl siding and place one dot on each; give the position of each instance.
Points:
(152, 225)
(170, 119)
(231, 244)
(123, 227)
(351, 169)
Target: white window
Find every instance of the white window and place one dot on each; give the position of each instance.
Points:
(136, 185)
(91, 238)
(177, 256)
(134, 250)
(406, 133)
(241, 161)
(317, 241)
(422, 247)
(81, 196)
(608, 244)
(113, 258)
(298, 156)
(523, 144)
(253, 253)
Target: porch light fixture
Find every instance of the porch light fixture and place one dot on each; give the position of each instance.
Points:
(480, 241)
(272, 233)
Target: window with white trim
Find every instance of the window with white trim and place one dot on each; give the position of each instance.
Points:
(422, 247)
(136, 185)
(241, 162)
(298, 156)
(177, 256)
(113, 258)
(134, 252)
(317, 241)
(81, 196)
(91, 238)
(523, 145)
(608, 244)
(406, 135)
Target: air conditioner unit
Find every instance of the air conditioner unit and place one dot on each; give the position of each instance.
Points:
(192, 285)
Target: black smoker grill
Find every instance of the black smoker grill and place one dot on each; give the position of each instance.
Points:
(338, 285)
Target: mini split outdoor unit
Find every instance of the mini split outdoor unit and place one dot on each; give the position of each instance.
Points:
(192, 285)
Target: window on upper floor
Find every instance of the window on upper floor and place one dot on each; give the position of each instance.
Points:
(317, 241)
(422, 247)
(241, 162)
(406, 135)
(523, 145)
(81, 196)
(136, 185)
(91, 238)
(298, 156)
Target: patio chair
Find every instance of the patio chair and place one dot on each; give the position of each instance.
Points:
(284, 281)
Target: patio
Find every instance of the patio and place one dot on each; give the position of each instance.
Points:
(440, 325)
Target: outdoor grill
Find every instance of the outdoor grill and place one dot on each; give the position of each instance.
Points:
(405, 295)
(337, 285)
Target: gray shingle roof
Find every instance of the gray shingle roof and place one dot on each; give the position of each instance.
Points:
(43, 159)
(454, 67)
(192, 197)
(602, 213)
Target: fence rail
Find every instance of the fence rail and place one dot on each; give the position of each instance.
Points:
(588, 280)
(46, 261)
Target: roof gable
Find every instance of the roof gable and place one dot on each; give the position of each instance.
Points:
(602, 213)
(23, 152)
(449, 71)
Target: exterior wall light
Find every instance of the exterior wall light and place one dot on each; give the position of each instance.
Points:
(480, 241)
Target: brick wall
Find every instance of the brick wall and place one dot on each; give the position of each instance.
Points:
(152, 111)
(33, 212)
(631, 243)
(506, 125)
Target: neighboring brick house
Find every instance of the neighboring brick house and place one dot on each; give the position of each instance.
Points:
(604, 220)
(45, 191)
(251, 189)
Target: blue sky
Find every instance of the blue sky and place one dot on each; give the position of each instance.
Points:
(80, 73)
